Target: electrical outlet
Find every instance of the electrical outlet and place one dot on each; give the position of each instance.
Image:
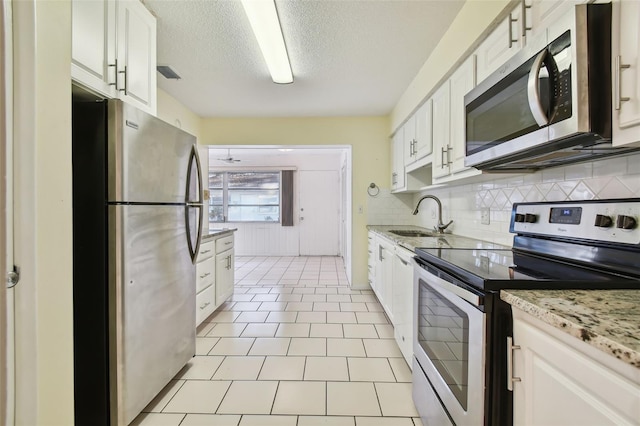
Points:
(484, 215)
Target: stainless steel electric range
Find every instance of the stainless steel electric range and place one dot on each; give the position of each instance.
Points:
(461, 325)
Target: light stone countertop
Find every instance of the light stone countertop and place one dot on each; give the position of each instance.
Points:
(217, 232)
(606, 319)
(436, 240)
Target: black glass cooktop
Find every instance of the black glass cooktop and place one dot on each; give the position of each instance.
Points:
(495, 269)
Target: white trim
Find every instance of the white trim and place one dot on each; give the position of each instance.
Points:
(7, 72)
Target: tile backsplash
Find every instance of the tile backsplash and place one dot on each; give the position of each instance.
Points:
(386, 208)
(618, 177)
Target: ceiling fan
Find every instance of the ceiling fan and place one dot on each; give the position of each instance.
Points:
(229, 159)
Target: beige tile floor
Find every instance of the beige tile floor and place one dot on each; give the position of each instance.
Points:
(293, 346)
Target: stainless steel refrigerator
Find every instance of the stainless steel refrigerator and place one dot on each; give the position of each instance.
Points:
(137, 224)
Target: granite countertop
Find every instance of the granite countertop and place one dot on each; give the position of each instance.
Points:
(606, 319)
(217, 232)
(436, 240)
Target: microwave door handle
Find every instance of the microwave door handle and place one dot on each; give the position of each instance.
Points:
(533, 90)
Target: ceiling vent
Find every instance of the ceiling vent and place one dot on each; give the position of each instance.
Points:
(168, 72)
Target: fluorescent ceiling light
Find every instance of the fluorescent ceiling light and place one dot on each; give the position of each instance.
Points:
(263, 18)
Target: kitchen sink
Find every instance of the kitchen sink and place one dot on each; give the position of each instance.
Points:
(408, 233)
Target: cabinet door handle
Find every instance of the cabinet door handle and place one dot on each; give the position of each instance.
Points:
(205, 275)
(115, 71)
(205, 251)
(510, 348)
(228, 242)
(404, 262)
(205, 305)
(125, 81)
(525, 28)
(617, 87)
(445, 151)
(511, 22)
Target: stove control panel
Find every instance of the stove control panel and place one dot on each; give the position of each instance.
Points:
(601, 220)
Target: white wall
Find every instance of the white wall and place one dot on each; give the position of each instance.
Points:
(272, 239)
(475, 19)
(43, 212)
(367, 136)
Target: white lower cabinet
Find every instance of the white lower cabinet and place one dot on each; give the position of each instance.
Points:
(205, 304)
(214, 275)
(205, 281)
(224, 276)
(565, 381)
(391, 279)
(402, 303)
(384, 275)
(371, 261)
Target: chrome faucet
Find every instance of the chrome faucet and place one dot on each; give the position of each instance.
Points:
(441, 226)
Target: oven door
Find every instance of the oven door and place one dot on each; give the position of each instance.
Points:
(449, 343)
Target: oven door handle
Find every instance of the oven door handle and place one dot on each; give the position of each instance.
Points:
(470, 297)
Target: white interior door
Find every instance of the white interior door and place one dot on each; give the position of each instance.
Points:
(319, 212)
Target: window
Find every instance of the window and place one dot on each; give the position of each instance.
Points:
(244, 196)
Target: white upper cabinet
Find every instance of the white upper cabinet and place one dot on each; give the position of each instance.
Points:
(626, 72)
(449, 132)
(92, 49)
(503, 42)
(423, 145)
(409, 139)
(397, 161)
(539, 14)
(114, 50)
(441, 130)
(417, 135)
(137, 55)
(462, 81)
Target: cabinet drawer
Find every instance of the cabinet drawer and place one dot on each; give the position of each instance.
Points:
(205, 304)
(205, 274)
(206, 251)
(223, 244)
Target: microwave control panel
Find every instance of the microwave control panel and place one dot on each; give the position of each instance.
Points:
(615, 221)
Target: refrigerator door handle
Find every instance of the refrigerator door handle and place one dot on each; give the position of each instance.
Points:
(194, 158)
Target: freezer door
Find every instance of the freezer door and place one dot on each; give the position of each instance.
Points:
(148, 159)
(152, 303)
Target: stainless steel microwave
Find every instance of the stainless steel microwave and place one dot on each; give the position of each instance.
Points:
(551, 103)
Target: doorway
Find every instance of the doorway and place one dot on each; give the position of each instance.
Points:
(319, 200)
(322, 187)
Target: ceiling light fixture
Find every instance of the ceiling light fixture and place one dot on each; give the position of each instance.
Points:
(264, 21)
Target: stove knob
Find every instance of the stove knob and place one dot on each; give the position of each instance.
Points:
(603, 221)
(530, 218)
(519, 218)
(626, 222)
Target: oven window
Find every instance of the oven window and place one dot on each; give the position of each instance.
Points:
(443, 333)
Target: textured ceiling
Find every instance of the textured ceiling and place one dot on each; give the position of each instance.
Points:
(348, 57)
